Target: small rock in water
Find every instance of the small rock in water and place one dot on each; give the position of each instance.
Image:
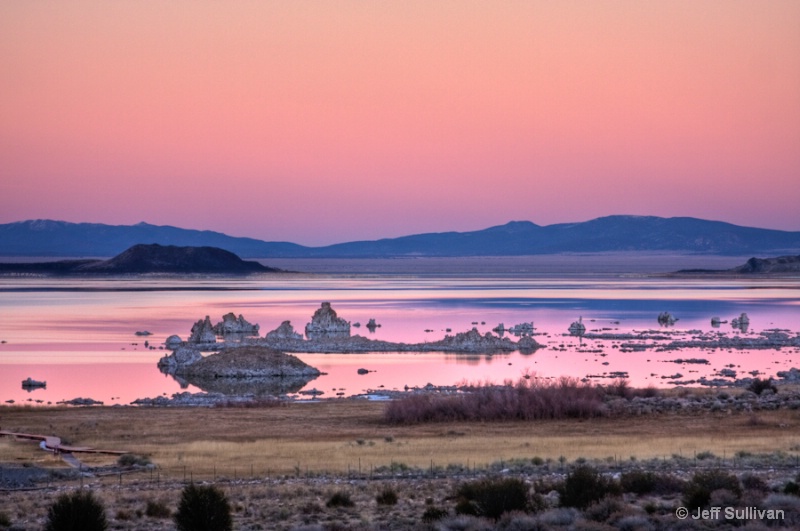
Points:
(363, 371)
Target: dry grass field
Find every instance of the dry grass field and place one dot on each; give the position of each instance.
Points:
(337, 437)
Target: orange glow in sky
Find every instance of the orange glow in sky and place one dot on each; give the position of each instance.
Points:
(326, 121)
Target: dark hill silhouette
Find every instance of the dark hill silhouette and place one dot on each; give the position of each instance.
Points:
(150, 258)
(755, 266)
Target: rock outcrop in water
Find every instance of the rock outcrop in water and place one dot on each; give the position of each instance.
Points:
(203, 332)
(284, 331)
(326, 324)
(181, 357)
(232, 325)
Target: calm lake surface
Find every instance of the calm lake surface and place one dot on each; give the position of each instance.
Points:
(79, 335)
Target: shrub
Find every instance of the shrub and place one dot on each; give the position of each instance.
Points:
(432, 514)
(203, 508)
(698, 492)
(638, 482)
(388, 496)
(76, 511)
(492, 497)
(585, 485)
(758, 386)
(157, 509)
(791, 488)
(340, 499)
(5, 521)
(751, 482)
(129, 460)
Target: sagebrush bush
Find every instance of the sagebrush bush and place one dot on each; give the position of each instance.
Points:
(157, 509)
(698, 491)
(492, 497)
(758, 386)
(5, 521)
(388, 496)
(433, 514)
(76, 511)
(638, 481)
(203, 508)
(584, 486)
(340, 499)
(129, 460)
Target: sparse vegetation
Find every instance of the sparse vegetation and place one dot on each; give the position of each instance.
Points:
(531, 399)
(433, 514)
(129, 460)
(76, 511)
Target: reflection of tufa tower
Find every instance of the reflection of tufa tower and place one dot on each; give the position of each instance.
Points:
(326, 324)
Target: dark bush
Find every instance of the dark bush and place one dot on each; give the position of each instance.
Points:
(157, 509)
(751, 482)
(791, 488)
(492, 497)
(203, 508)
(638, 482)
(340, 499)
(5, 521)
(758, 386)
(433, 514)
(584, 486)
(129, 460)
(76, 511)
(698, 492)
(388, 496)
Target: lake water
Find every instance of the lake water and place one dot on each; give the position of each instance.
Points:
(79, 335)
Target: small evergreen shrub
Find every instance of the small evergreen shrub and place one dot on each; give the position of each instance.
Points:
(5, 521)
(584, 486)
(340, 499)
(388, 496)
(76, 511)
(698, 492)
(492, 497)
(203, 508)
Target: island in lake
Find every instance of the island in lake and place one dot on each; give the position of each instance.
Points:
(147, 258)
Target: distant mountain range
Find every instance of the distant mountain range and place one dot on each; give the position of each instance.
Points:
(148, 258)
(45, 238)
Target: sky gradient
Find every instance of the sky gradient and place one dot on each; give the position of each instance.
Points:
(320, 122)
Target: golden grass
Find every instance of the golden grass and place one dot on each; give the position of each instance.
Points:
(342, 436)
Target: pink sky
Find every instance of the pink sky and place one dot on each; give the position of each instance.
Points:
(319, 122)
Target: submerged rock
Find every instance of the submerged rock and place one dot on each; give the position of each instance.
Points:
(577, 328)
(666, 319)
(29, 383)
